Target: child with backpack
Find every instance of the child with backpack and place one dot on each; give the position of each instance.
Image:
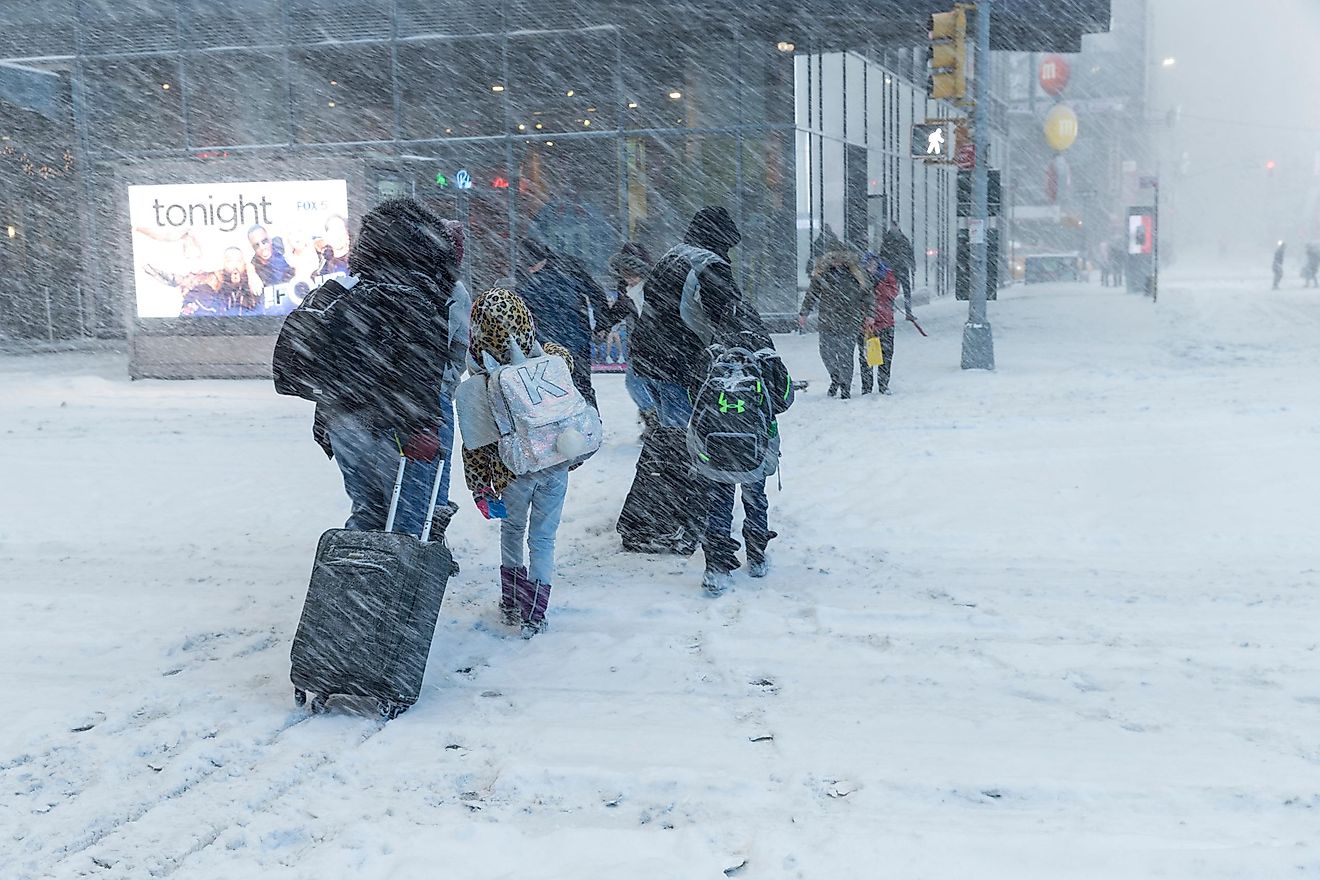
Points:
(733, 442)
(524, 424)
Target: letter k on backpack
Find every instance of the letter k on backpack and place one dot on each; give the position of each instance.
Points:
(542, 418)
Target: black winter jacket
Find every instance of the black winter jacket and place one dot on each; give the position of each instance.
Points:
(662, 346)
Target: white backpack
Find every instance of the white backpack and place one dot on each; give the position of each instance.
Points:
(541, 417)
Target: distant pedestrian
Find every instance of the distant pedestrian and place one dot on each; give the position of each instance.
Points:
(878, 324)
(1279, 253)
(1311, 268)
(1117, 261)
(1103, 258)
(896, 251)
(840, 289)
(630, 266)
(562, 296)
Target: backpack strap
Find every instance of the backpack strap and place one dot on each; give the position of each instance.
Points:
(690, 308)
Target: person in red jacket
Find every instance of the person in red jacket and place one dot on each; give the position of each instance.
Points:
(879, 323)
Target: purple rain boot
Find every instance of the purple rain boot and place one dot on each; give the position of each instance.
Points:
(526, 598)
(510, 606)
(534, 622)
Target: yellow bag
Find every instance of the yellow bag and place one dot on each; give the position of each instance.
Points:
(875, 353)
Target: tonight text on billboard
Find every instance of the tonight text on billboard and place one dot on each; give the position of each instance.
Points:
(227, 216)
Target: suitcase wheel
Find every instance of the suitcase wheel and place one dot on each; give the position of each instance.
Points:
(318, 704)
(299, 697)
(390, 710)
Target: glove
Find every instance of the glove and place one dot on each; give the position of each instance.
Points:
(802, 322)
(490, 505)
(868, 327)
(422, 446)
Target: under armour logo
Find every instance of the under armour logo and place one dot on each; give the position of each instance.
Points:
(731, 406)
(537, 384)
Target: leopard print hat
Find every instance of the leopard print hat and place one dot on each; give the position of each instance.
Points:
(497, 315)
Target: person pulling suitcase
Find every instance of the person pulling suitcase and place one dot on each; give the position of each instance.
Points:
(373, 351)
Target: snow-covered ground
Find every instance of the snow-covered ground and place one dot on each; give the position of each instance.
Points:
(1055, 621)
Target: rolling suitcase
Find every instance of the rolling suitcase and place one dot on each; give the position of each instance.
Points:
(665, 511)
(370, 613)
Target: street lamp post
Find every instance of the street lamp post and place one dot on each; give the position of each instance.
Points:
(978, 348)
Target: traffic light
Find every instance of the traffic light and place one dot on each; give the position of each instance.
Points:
(1270, 166)
(947, 56)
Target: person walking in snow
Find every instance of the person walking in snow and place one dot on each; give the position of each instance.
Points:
(630, 266)
(388, 344)
(897, 253)
(770, 389)
(532, 503)
(879, 323)
(843, 294)
(1278, 263)
(1311, 268)
(562, 297)
(459, 326)
(669, 354)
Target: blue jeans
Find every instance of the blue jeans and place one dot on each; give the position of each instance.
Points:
(672, 404)
(636, 386)
(535, 503)
(719, 521)
(369, 462)
(446, 443)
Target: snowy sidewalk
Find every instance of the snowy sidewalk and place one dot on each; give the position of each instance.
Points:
(1056, 621)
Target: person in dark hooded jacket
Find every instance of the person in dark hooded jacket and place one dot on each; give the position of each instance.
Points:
(665, 352)
(388, 340)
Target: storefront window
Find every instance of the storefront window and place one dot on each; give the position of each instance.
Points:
(568, 197)
(237, 98)
(136, 104)
(311, 21)
(767, 253)
(563, 82)
(341, 96)
(452, 88)
(241, 23)
(767, 76)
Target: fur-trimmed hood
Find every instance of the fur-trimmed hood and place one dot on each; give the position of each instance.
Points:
(840, 260)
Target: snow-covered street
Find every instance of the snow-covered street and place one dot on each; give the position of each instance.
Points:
(1055, 621)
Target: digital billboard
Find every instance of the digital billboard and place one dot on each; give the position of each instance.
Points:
(205, 250)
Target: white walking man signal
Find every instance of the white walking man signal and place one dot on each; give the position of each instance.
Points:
(935, 143)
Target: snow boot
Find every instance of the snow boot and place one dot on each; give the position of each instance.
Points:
(834, 389)
(509, 605)
(758, 565)
(533, 622)
(716, 583)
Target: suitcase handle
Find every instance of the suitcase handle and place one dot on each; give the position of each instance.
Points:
(398, 490)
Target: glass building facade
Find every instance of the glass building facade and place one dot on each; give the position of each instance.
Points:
(584, 125)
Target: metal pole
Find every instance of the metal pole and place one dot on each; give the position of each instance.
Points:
(978, 349)
(1155, 250)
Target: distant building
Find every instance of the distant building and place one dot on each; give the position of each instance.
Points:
(583, 123)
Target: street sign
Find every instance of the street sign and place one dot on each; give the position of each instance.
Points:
(965, 156)
(932, 141)
(975, 230)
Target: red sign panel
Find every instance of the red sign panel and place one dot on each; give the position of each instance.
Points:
(1054, 74)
